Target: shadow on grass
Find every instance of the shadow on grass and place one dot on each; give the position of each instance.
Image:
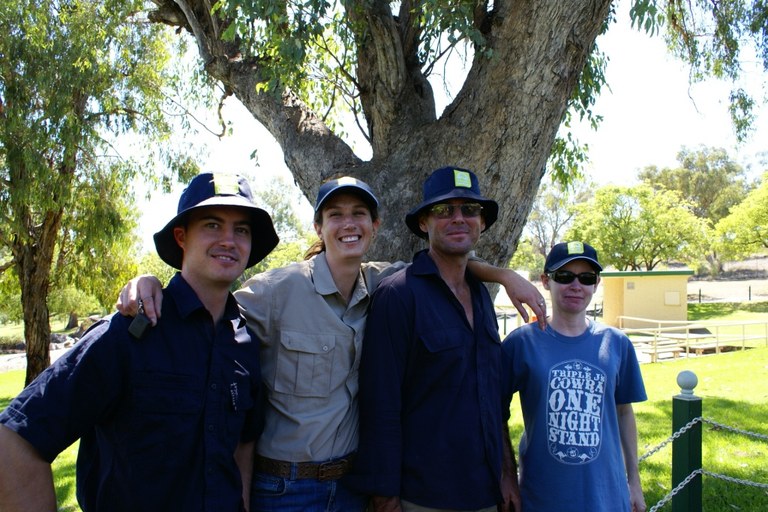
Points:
(65, 475)
(713, 310)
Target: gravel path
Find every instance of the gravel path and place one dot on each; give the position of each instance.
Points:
(18, 361)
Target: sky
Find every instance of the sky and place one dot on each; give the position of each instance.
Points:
(649, 113)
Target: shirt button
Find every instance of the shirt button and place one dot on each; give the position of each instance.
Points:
(214, 386)
(325, 348)
(210, 428)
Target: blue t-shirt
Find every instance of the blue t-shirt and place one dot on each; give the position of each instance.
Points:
(430, 415)
(158, 418)
(570, 454)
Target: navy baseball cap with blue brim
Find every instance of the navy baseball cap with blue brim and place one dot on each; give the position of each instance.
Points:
(217, 189)
(566, 252)
(346, 184)
(451, 183)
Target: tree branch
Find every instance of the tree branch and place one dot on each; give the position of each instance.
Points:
(5, 266)
(197, 31)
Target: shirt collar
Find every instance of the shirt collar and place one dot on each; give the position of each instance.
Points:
(322, 277)
(325, 285)
(423, 264)
(187, 301)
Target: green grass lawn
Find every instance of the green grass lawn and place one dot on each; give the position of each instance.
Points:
(734, 389)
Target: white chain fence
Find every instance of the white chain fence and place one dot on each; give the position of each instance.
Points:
(697, 472)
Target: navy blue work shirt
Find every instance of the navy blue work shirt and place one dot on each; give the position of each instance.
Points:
(430, 413)
(158, 418)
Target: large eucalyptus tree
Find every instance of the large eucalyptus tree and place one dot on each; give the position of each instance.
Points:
(297, 65)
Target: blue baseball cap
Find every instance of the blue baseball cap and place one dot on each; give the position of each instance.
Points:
(449, 183)
(566, 252)
(216, 189)
(346, 184)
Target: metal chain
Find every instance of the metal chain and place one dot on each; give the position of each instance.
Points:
(736, 430)
(674, 491)
(690, 424)
(671, 438)
(734, 480)
(700, 471)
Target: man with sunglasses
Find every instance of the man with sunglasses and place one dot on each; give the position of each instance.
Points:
(577, 381)
(431, 423)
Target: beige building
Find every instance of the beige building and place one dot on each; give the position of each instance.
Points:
(656, 294)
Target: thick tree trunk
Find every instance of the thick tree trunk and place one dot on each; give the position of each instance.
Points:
(501, 124)
(37, 333)
(72, 322)
(33, 266)
(33, 247)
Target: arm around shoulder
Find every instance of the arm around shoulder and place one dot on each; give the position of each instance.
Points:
(520, 290)
(145, 288)
(26, 480)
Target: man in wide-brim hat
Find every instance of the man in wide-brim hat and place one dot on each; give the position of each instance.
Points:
(430, 416)
(167, 415)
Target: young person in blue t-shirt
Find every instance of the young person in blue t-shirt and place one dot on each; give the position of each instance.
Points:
(577, 380)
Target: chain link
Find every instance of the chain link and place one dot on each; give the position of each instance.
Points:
(671, 438)
(700, 471)
(690, 424)
(663, 501)
(676, 490)
(736, 430)
(735, 480)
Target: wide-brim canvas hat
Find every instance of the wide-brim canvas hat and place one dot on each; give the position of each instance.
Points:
(216, 189)
(566, 252)
(451, 183)
(346, 184)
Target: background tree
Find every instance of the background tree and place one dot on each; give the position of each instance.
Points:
(296, 69)
(637, 228)
(709, 181)
(552, 213)
(711, 37)
(707, 178)
(72, 302)
(151, 263)
(744, 232)
(527, 258)
(70, 71)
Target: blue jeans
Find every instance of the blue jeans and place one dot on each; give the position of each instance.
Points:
(272, 493)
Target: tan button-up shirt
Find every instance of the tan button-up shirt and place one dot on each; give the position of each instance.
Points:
(310, 356)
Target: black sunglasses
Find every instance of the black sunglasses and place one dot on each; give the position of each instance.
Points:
(445, 211)
(567, 277)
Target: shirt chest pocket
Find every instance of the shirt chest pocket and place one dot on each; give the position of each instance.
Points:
(305, 364)
(442, 340)
(166, 394)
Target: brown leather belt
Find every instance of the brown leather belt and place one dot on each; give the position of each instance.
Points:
(330, 470)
